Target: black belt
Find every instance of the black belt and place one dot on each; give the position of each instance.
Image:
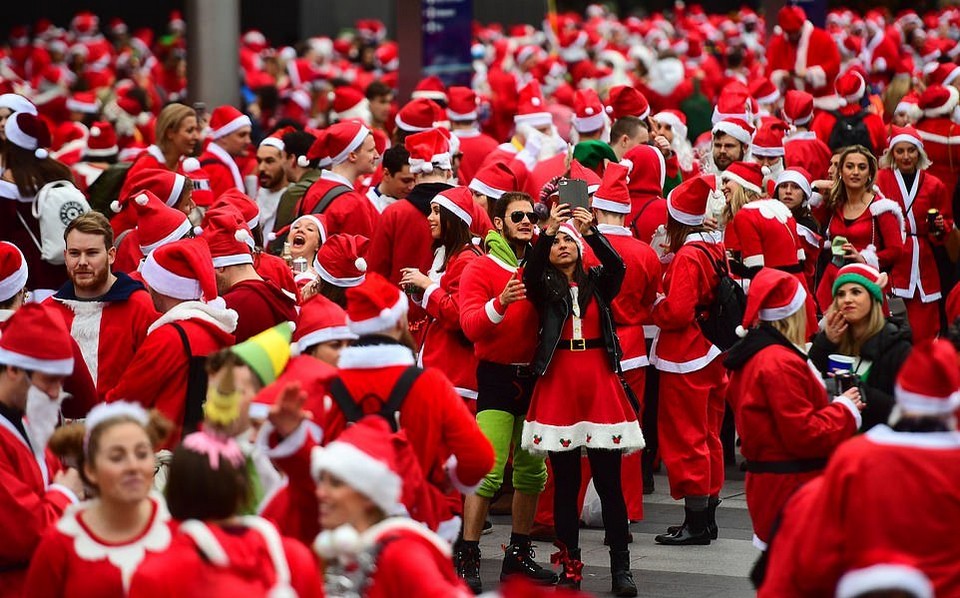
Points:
(791, 466)
(581, 344)
(507, 369)
(8, 568)
(793, 269)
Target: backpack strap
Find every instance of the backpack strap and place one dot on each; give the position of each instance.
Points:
(328, 197)
(344, 400)
(633, 223)
(120, 238)
(196, 395)
(718, 266)
(399, 393)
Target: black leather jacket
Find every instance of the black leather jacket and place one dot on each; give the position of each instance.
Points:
(550, 295)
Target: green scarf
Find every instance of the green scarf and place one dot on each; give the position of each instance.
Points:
(498, 247)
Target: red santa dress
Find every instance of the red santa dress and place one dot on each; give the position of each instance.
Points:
(815, 54)
(941, 141)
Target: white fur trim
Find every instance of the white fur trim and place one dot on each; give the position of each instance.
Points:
(869, 255)
(375, 356)
(588, 124)
(85, 329)
(634, 363)
(759, 544)
(167, 283)
(735, 131)
(461, 116)
(177, 233)
(683, 217)
(446, 202)
(408, 127)
(228, 161)
(534, 119)
(679, 129)
(53, 367)
(206, 542)
(884, 576)
(17, 136)
(234, 125)
(333, 333)
(817, 76)
(774, 314)
(925, 404)
(601, 436)
(881, 206)
(272, 142)
(682, 367)
(372, 534)
(752, 261)
(792, 176)
(289, 445)
(492, 312)
(359, 470)
(214, 312)
(608, 205)
(237, 259)
(771, 209)
(271, 537)
(386, 319)
(451, 468)
(850, 407)
(904, 137)
(340, 282)
(481, 187)
(882, 434)
(13, 284)
(354, 144)
(736, 178)
(947, 108)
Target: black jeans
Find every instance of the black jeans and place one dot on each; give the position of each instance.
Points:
(605, 467)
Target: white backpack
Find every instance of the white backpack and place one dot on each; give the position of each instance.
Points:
(57, 204)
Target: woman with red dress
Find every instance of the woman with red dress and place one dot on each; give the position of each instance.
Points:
(793, 188)
(579, 400)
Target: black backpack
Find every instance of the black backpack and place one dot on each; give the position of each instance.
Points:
(389, 410)
(850, 130)
(106, 188)
(718, 321)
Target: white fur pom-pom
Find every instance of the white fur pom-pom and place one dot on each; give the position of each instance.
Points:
(271, 236)
(142, 199)
(361, 264)
(765, 170)
(41, 153)
(741, 331)
(346, 540)
(191, 165)
(242, 235)
(302, 161)
(197, 231)
(95, 131)
(323, 545)
(294, 349)
(115, 206)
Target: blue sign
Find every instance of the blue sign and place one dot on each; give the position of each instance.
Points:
(816, 10)
(447, 33)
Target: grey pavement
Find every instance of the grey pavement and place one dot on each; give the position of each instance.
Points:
(716, 571)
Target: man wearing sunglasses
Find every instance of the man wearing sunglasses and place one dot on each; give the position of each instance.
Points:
(502, 323)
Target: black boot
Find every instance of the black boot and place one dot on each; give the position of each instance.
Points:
(712, 517)
(467, 559)
(623, 584)
(692, 532)
(646, 468)
(572, 572)
(518, 560)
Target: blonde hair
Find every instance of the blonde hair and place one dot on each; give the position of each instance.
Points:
(170, 119)
(849, 345)
(838, 193)
(793, 327)
(887, 161)
(739, 198)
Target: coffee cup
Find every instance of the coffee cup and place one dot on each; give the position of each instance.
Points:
(837, 363)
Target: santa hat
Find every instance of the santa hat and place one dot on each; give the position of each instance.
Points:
(864, 275)
(579, 171)
(371, 30)
(418, 115)
(19, 347)
(225, 120)
(388, 55)
(102, 141)
(881, 570)
(243, 204)
(613, 194)
(736, 128)
(17, 103)
(797, 107)
(676, 120)
(157, 223)
(687, 202)
(764, 91)
(768, 141)
(428, 149)
(463, 103)
(910, 105)
(588, 111)
(343, 138)
(364, 458)
(905, 135)
(929, 382)
(312, 218)
(375, 305)
(227, 236)
(458, 200)
(202, 192)
(525, 52)
(320, 321)
(774, 295)
(938, 100)
(647, 170)
(85, 102)
(349, 102)
(182, 270)
(736, 102)
(266, 353)
(493, 180)
(624, 100)
(532, 108)
(13, 270)
(571, 231)
(748, 174)
(28, 132)
(799, 177)
(166, 185)
(430, 88)
(340, 260)
(851, 87)
(945, 73)
(791, 18)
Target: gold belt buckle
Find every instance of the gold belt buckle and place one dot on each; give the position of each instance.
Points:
(578, 344)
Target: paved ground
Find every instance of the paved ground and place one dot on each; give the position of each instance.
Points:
(716, 571)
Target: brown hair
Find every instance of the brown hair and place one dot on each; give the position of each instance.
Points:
(850, 345)
(838, 193)
(332, 292)
(677, 233)
(91, 223)
(170, 119)
(29, 172)
(197, 491)
(455, 235)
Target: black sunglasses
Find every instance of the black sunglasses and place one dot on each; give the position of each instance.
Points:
(517, 217)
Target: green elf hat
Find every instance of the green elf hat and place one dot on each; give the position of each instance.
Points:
(864, 275)
(267, 353)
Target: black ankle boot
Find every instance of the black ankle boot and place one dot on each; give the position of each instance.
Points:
(622, 584)
(467, 559)
(518, 560)
(692, 532)
(712, 517)
(572, 572)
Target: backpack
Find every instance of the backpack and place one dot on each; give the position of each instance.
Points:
(106, 188)
(389, 409)
(850, 130)
(719, 320)
(56, 205)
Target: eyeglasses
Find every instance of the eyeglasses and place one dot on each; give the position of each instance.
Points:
(517, 217)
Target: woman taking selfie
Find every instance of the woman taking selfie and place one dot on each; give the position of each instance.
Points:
(579, 400)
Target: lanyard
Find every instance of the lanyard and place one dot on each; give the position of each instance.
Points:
(577, 320)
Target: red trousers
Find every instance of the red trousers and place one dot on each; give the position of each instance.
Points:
(924, 319)
(690, 417)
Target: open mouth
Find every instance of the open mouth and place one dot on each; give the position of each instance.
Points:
(299, 240)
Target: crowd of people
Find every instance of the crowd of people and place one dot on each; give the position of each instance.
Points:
(301, 345)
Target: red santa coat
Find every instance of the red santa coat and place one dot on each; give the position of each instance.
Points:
(507, 154)
(73, 561)
(223, 170)
(780, 580)
(259, 305)
(543, 172)
(350, 213)
(782, 414)
(110, 330)
(807, 151)
(941, 141)
(767, 236)
(504, 97)
(915, 272)
(274, 269)
(157, 376)
(475, 146)
(816, 54)
(881, 54)
(860, 507)
(29, 504)
(824, 122)
(227, 562)
(402, 240)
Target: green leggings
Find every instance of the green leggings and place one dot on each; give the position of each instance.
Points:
(503, 430)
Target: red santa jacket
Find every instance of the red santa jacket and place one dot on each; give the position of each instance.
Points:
(29, 503)
(806, 150)
(766, 235)
(941, 141)
(129, 255)
(350, 213)
(223, 170)
(816, 55)
(109, 329)
(915, 273)
(883, 59)
(475, 146)
(273, 269)
(783, 414)
(542, 173)
(259, 305)
(893, 469)
(781, 577)
(503, 101)
(157, 376)
(824, 121)
(402, 238)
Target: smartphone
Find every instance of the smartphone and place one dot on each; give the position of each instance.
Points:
(573, 192)
(201, 109)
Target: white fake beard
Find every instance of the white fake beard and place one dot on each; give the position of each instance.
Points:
(42, 416)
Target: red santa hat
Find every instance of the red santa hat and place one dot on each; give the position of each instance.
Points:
(182, 270)
(418, 115)
(242, 203)
(687, 202)
(202, 192)
(799, 176)
(797, 107)
(255, 40)
(532, 108)
(157, 223)
(349, 102)
(910, 105)
(320, 321)
(102, 141)
(525, 52)
(430, 88)
(749, 175)
(647, 170)
(938, 100)
(945, 73)
(613, 194)
(19, 346)
(225, 120)
(764, 91)
(736, 128)
(588, 111)
(676, 120)
(161, 182)
(375, 305)
(881, 571)
(463, 103)
(624, 100)
(774, 295)
(791, 18)
(578, 171)
(493, 180)
(572, 45)
(428, 149)
(929, 382)
(768, 141)
(458, 200)
(388, 55)
(343, 138)
(13, 270)
(371, 30)
(340, 260)
(851, 87)
(17, 103)
(571, 231)
(85, 102)
(28, 132)
(227, 236)
(905, 135)
(736, 102)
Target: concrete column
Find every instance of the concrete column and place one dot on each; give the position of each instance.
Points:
(213, 39)
(410, 42)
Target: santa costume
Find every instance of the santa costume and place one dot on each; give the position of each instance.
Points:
(648, 208)
(940, 132)
(851, 87)
(474, 144)
(809, 64)
(221, 167)
(157, 224)
(801, 147)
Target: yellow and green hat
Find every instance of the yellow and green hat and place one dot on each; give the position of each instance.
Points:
(267, 353)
